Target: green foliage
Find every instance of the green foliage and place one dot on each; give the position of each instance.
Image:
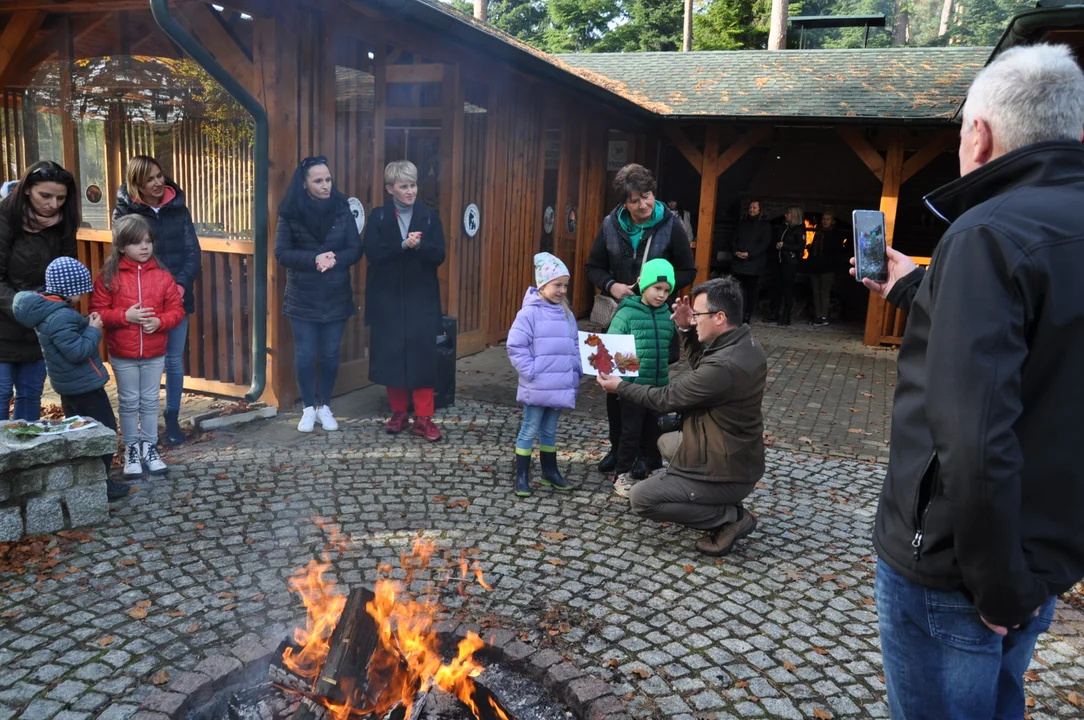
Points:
(734, 25)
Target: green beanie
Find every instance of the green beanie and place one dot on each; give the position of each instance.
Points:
(657, 270)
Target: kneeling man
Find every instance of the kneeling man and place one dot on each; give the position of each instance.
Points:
(718, 457)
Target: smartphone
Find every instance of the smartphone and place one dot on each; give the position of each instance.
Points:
(870, 255)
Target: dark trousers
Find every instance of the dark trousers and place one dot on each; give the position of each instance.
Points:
(750, 288)
(94, 404)
(783, 276)
(639, 436)
(316, 343)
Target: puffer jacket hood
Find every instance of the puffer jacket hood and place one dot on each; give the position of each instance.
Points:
(544, 348)
(68, 342)
(653, 329)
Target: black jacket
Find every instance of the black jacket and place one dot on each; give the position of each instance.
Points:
(311, 295)
(402, 298)
(612, 259)
(984, 491)
(826, 252)
(175, 243)
(23, 259)
(793, 239)
(754, 237)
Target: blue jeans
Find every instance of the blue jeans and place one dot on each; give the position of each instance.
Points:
(175, 364)
(25, 381)
(941, 661)
(541, 423)
(316, 342)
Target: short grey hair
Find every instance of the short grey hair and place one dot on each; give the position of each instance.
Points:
(400, 170)
(1029, 94)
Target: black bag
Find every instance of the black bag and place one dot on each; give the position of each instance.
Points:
(444, 392)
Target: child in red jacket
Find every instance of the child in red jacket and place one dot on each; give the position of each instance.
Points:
(139, 304)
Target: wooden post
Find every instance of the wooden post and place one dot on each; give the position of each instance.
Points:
(709, 182)
(114, 160)
(451, 186)
(380, 92)
(68, 131)
(890, 195)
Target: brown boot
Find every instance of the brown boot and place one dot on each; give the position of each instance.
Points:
(721, 541)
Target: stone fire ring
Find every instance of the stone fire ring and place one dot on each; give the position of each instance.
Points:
(243, 665)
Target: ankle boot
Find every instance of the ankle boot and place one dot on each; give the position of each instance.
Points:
(551, 476)
(523, 475)
(115, 490)
(174, 434)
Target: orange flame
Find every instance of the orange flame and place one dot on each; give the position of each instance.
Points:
(810, 233)
(408, 659)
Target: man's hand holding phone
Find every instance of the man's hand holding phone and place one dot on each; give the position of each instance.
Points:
(899, 265)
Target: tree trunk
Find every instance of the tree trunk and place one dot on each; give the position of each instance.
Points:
(481, 10)
(901, 28)
(777, 35)
(687, 35)
(946, 15)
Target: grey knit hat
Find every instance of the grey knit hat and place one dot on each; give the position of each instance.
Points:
(68, 277)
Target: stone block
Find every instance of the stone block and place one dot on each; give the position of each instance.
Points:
(90, 471)
(5, 486)
(560, 675)
(41, 450)
(541, 661)
(583, 690)
(95, 442)
(604, 707)
(221, 669)
(11, 524)
(228, 420)
(197, 686)
(88, 504)
(28, 482)
(170, 704)
(253, 652)
(59, 477)
(516, 652)
(44, 515)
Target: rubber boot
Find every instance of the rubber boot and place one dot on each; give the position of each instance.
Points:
(174, 434)
(551, 476)
(523, 475)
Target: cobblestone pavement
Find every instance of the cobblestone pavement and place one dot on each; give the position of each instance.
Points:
(782, 627)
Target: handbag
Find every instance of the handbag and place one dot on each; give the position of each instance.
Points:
(605, 307)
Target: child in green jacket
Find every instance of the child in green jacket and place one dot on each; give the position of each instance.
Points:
(647, 318)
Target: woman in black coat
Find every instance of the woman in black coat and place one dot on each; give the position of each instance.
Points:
(789, 245)
(405, 245)
(317, 242)
(147, 192)
(38, 222)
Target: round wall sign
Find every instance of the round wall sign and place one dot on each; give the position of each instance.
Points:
(94, 194)
(570, 222)
(548, 218)
(472, 218)
(358, 211)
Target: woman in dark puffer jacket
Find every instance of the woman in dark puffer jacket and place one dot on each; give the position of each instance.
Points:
(317, 241)
(147, 192)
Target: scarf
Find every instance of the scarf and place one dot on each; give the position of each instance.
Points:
(35, 224)
(634, 231)
(403, 213)
(168, 196)
(317, 216)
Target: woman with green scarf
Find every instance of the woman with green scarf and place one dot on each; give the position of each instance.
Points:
(639, 229)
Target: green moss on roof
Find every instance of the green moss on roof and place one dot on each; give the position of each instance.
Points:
(904, 83)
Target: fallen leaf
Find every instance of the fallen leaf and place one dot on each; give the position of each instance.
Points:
(462, 502)
(641, 673)
(440, 498)
(868, 601)
(177, 613)
(258, 598)
(1030, 702)
(741, 685)
(612, 662)
(137, 613)
(688, 568)
(827, 577)
(222, 476)
(250, 541)
(229, 607)
(226, 595)
(789, 666)
(192, 628)
(128, 562)
(200, 526)
(556, 561)
(820, 651)
(804, 440)
(538, 546)
(1075, 699)
(160, 678)
(822, 714)
(554, 536)
(106, 641)
(11, 613)
(1031, 676)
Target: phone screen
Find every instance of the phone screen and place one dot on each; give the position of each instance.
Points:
(870, 256)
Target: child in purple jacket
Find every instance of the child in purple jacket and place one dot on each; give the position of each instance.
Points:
(544, 348)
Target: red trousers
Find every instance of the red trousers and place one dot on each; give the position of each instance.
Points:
(399, 398)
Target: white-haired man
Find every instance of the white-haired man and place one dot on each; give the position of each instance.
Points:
(979, 525)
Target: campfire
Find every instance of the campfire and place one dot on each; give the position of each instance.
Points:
(376, 654)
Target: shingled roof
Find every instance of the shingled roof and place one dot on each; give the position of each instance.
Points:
(892, 83)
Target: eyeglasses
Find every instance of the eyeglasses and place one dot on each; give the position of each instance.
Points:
(53, 175)
(707, 312)
(313, 161)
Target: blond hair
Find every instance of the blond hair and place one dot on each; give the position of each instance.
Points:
(400, 170)
(127, 230)
(797, 217)
(138, 173)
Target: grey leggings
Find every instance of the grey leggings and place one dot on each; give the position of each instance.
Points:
(138, 382)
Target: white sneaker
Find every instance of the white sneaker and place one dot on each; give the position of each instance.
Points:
(327, 420)
(308, 420)
(133, 462)
(153, 460)
(622, 484)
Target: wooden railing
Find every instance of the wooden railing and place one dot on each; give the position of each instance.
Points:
(894, 320)
(218, 356)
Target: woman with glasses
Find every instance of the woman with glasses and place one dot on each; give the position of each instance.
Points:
(405, 245)
(147, 192)
(38, 222)
(317, 242)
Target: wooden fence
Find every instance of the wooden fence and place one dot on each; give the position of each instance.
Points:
(218, 356)
(217, 177)
(894, 320)
(12, 148)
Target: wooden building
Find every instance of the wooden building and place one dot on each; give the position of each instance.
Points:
(531, 140)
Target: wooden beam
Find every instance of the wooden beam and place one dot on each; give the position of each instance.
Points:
(17, 37)
(745, 143)
(864, 150)
(682, 143)
(709, 182)
(890, 197)
(114, 163)
(74, 6)
(451, 184)
(942, 143)
(204, 22)
(420, 73)
(68, 132)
